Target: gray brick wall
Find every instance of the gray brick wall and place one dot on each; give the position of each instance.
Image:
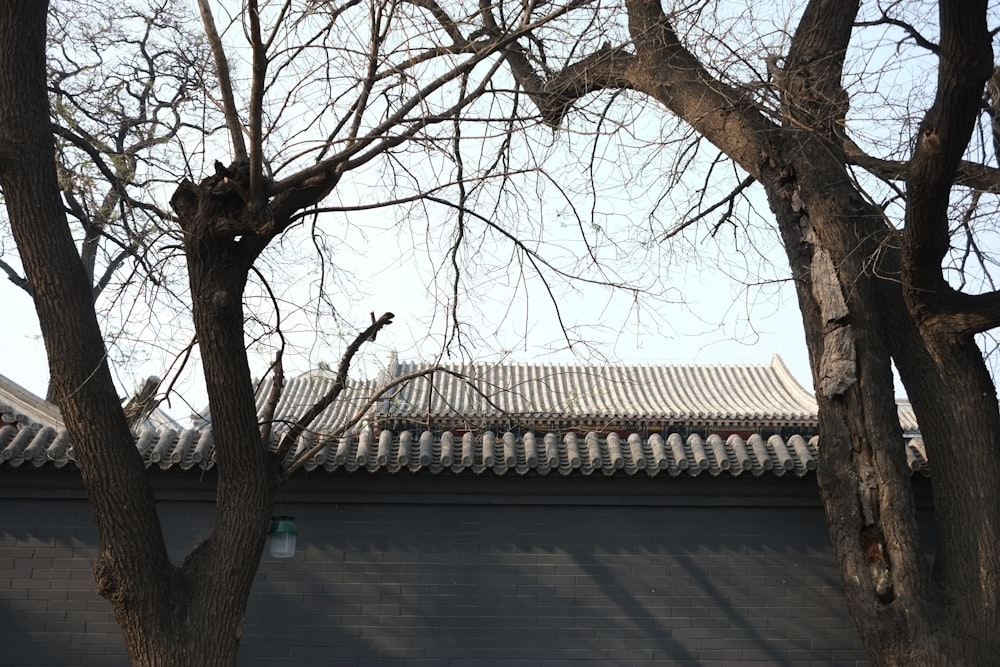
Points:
(49, 614)
(471, 584)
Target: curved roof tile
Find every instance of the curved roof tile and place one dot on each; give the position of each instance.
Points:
(651, 393)
(20, 406)
(501, 454)
(588, 398)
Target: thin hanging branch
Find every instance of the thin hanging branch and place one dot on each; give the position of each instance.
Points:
(277, 369)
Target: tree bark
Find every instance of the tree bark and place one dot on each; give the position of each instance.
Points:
(852, 273)
(224, 566)
(190, 615)
(905, 612)
(132, 569)
(868, 296)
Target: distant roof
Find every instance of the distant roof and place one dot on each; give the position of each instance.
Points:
(300, 394)
(565, 418)
(471, 395)
(18, 405)
(566, 396)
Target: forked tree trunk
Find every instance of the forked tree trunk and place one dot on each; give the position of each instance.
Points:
(852, 276)
(170, 616)
(846, 263)
(225, 566)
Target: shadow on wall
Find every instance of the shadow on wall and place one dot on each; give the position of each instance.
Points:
(484, 585)
(26, 609)
(49, 611)
(502, 585)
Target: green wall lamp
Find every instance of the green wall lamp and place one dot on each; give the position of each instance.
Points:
(281, 537)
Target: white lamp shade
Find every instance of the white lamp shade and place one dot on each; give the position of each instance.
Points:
(281, 537)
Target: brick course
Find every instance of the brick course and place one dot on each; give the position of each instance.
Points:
(469, 584)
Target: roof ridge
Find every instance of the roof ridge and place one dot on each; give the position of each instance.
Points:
(14, 397)
(608, 364)
(779, 367)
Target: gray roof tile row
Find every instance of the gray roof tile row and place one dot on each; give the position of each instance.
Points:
(565, 419)
(654, 393)
(20, 406)
(476, 453)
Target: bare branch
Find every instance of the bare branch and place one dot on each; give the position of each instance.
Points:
(89, 146)
(908, 28)
(304, 457)
(379, 30)
(277, 369)
(177, 366)
(310, 185)
(443, 19)
(16, 277)
(339, 383)
(456, 333)
(669, 73)
(814, 96)
(966, 63)
(727, 201)
(968, 313)
(259, 74)
(968, 174)
(554, 96)
(109, 271)
(233, 122)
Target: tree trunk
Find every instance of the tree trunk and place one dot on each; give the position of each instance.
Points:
(846, 264)
(851, 277)
(906, 612)
(224, 567)
(849, 271)
(864, 481)
(169, 616)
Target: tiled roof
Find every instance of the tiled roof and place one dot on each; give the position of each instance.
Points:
(750, 400)
(20, 406)
(475, 453)
(477, 394)
(303, 391)
(299, 394)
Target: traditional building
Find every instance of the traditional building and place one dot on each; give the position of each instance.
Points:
(506, 514)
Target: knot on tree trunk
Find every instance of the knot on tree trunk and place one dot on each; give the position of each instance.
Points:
(873, 546)
(221, 205)
(107, 578)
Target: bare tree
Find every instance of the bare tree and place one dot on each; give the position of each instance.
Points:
(124, 83)
(871, 275)
(328, 90)
(118, 123)
(338, 89)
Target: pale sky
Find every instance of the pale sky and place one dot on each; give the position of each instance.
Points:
(697, 307)
(708, 298)
(715, 324)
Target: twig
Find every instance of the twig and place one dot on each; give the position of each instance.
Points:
(277, 370)
(299, 427)
(259, 51)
